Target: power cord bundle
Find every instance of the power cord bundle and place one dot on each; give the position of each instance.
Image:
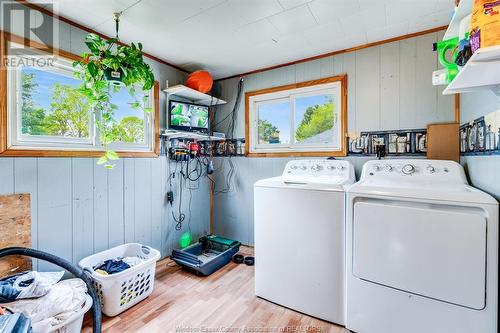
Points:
(192, 173)
(230, 135)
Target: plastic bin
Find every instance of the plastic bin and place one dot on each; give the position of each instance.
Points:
(74, 323)
(208, 255)
(119, 292)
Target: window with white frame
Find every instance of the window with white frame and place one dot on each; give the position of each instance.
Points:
(304, 118)
(46, 111)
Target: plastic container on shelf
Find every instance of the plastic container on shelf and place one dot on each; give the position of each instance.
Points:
(74, 323)
(119, 292)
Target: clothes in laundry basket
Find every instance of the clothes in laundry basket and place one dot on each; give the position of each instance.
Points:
(113, 266)
(63, 300)
(27, 285)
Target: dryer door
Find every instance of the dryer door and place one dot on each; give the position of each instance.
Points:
(436, 251)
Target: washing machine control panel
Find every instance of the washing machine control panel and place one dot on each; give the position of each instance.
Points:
(415, 170)
(319, 171)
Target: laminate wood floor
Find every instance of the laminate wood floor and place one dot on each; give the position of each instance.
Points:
(222, 302)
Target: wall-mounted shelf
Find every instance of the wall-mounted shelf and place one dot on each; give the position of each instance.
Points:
(175, 134)
(464, 9)
(481, 72)
(194, 95)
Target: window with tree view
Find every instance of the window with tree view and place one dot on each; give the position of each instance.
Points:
(305, 119)
(48, 110)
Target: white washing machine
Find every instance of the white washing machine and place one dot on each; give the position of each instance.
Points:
(421, 250)
(299, 237)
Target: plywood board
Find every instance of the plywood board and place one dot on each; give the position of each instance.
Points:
(15, 230)
(443, 142)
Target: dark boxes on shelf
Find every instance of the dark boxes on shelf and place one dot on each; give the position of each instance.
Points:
(481, 136)
(396, 142)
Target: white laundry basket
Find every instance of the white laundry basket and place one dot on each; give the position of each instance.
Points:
(74, 323)
(118, 292)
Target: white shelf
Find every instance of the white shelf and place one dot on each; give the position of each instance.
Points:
(194, 95)
(482, 71)
(464, 9)
(175, 134)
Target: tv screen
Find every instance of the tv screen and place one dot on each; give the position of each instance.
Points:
(188, 117)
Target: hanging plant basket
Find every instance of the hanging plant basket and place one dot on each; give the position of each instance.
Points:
(114, 77)
(107, 66)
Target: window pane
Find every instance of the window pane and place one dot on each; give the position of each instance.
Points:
(129, 116)
(52, 105)
(315, 118)
(274, 123)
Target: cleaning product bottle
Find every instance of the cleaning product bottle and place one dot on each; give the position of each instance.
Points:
(447, 52)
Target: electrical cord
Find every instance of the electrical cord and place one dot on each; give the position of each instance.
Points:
(230, 134)
(232, 114)
(229, 179)
(181, 216)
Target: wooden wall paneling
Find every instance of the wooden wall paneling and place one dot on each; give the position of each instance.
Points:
(65, 37)
(116, 222)
(25, 181)
(15, 230)
(274, 78)
(223, 202)
(349, 65)
(338, 64)
(482, 172)
(129, 200)
(16, 26)
(389, 86)
(54, 209)
(101, 221)
(368, 89)
(156, 203)
(327, 66)
(142, 199)
(6, 175)
(426, 93)
(164, 206)
(83, 207)
(242, 197)
(407, 83)
(307, 71)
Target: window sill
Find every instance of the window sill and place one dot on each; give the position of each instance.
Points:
(17, 152)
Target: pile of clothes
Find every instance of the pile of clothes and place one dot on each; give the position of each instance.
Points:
(113, 266)
(42, 298)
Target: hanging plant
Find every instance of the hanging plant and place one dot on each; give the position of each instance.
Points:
(106, 68)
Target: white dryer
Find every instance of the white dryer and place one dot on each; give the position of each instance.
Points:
(299, 237)
(421, 250)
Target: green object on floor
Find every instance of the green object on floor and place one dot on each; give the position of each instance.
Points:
(185, 240)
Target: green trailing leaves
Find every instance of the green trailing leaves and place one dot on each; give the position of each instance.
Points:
(105, 55)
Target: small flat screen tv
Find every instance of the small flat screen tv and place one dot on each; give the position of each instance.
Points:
(186, 116)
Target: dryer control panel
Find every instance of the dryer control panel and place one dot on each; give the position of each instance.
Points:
(335, 172)
(413, 171)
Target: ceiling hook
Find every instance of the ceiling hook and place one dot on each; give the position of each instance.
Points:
(117, 22)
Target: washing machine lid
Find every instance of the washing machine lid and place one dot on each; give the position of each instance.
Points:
(418, 179)
(278, 182)
(320, 174)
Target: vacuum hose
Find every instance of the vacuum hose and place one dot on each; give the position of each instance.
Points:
(76, 271)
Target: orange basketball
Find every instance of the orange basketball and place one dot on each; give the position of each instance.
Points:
(200, 80)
